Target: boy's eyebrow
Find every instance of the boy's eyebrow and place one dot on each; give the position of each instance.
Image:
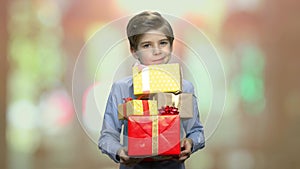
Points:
(164, 39)
(145, 42)
(150, 41)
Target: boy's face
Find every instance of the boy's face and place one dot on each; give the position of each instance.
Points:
(153, 48)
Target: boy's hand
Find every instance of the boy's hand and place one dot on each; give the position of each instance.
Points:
(126, 160)
(186, 149)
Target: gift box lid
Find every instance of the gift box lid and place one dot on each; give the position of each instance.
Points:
(157, 78)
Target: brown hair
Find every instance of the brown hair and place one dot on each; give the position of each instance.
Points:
(144, 22)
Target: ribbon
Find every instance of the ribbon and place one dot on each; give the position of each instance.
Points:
(155, 135)
(145, 106)
(127, 99)
(168, 110)
(145, 80)
(161, 125)
(175, 100)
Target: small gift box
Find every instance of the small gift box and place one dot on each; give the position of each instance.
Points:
(182, 101)
(156, 79)
(137, 107)
(153, 135)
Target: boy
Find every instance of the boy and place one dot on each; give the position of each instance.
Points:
(151, 40)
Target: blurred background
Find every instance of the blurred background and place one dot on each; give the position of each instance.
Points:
(258, 42)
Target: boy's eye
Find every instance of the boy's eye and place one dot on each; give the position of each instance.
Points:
(164, 43)
(146, 45)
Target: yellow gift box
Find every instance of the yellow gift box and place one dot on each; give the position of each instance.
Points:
(138, 108)
(156, 79)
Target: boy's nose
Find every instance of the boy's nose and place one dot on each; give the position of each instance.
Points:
(156, 50)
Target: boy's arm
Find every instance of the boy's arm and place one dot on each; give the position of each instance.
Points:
(109, 141)
(193, 126)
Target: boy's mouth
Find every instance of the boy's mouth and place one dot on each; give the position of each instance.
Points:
(160, 59)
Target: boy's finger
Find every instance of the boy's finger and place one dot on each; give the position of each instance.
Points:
(124, 158)
(184, 152)
(183, 143)
(183, 158)
(184, 155)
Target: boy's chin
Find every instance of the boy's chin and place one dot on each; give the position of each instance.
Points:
(161, 62)
(158, 63)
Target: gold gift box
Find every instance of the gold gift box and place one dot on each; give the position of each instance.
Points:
(137, 107)
(156, 79)
(182, 101)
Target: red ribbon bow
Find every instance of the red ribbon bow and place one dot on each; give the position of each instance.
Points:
(127, 99)
(168, 110)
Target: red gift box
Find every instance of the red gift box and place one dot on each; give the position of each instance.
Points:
(153, 135)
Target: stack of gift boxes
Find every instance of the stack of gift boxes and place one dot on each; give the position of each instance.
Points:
(154, 117)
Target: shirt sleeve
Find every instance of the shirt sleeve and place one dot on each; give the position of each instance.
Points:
(193, 127)
(109, 141)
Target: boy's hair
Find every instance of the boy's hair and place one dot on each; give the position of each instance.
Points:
(144, 22)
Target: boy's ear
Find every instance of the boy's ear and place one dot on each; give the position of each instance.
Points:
(133, 52)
